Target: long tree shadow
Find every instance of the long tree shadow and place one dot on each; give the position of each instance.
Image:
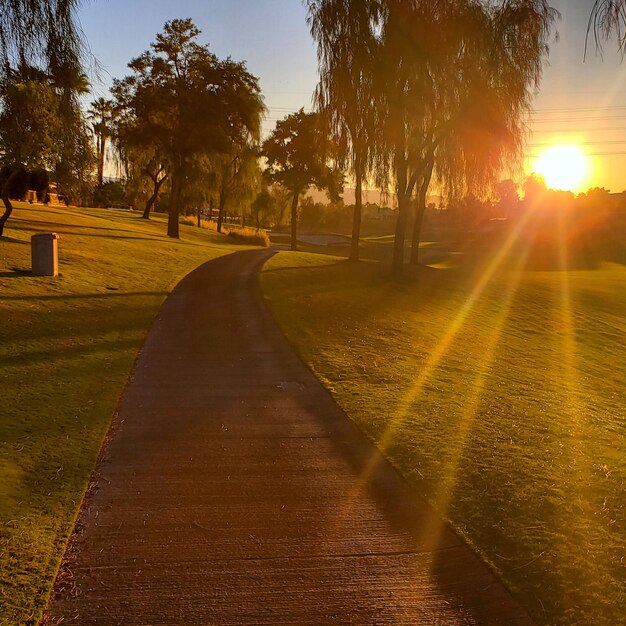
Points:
(83, 296)
(8, 239)
(15, 272)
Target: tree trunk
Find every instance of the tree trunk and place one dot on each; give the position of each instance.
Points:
(404, 200)
(358, 209)
(220, 214)
(221, 210)
(7, 201)
(102, 149)
(419, 214)
(417, 232)
(294, 221)
(199, 217)
(153, 198)
(172, 220)
(397, 265)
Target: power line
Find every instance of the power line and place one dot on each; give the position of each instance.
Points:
(578, 130)
(600, 142)
(579, 109)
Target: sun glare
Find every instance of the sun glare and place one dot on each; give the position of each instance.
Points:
(563, 167)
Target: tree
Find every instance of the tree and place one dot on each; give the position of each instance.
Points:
(455, 81)
(263, 208)
(41, 34)
(157, 174)
(100, 114)
(508, 197)
(238, 175)
(40, 128)
(607, 18)
(346, 45)
(183, 102)
(297, 158)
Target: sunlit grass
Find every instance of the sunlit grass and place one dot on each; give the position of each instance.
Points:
(66, 348)
(499, 394)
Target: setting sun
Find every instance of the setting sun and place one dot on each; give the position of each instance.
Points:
(563, 167)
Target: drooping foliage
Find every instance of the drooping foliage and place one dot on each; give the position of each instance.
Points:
(43, 33)
(43, 36)
(347, 48)
(607, 19)
(447, 86)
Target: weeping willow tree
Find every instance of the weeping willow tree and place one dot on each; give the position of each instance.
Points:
(416, 89)
(456, 82)
(607, 19)
(476, 124)
(43, 34)
(345, 32)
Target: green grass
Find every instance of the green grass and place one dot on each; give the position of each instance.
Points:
(499, 394)
(66, 348)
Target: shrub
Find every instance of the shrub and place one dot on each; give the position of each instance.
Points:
(251, 236)
(192, 220)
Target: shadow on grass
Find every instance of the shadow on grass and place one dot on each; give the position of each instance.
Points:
(76, 231)
(13, 240)
(15, 272)
(83, 296)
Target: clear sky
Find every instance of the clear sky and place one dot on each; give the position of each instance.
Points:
(580, 101)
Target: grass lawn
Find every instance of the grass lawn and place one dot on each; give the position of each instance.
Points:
(499, 394)
(66, 348)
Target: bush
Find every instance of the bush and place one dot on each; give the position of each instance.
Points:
(192, 220)
(250, 236)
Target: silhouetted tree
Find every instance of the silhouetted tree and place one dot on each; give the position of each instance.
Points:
(456, 81)
(346, 48)
(297, 158)
(42, 34)
(100, 115)
(608, 18)
(263, 208)
(41, 127)
(507, 196)
(183, 102)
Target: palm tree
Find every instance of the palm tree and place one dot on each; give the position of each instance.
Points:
(101, 114)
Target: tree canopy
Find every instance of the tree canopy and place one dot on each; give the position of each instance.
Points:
(446, 86)
(183, 102)
(297, 154)
(346, 48)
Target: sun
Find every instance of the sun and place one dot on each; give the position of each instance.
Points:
(563, 167)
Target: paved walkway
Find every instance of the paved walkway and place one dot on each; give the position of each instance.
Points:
(230, 492)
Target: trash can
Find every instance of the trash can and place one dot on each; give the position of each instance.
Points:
(44, 254)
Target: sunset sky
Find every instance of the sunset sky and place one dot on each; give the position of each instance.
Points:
(581, 103)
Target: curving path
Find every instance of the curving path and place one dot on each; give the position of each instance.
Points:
(231, 491)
